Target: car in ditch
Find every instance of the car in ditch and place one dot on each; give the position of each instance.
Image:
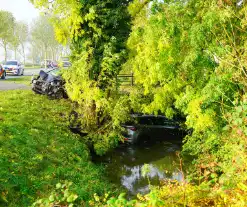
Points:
(144, 128)
(2, 72)
(13, 67)
(49, 83)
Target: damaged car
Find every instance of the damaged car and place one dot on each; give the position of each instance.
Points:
(49, 83)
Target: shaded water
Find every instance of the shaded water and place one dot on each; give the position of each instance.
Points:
(124, 165)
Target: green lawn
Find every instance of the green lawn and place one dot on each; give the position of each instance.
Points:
(37, 150)
(32, 67)
(24, 80)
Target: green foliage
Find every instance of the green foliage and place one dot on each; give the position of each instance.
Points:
(187, 58)
(61, 196)
(6, 30)
(38, 151)
(98, 52)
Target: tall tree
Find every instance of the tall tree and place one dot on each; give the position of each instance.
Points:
(6, 30)
(98, 31)
(42, 33)
(15, 43)
(20, 38)
(22, 29)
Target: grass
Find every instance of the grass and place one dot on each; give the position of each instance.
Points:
(32, 67)
(23, 80)
(37, 150)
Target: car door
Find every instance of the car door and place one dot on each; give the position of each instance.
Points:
(168, 127)
(145, 129)
(159, 124)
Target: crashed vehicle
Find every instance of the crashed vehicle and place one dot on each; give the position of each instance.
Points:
(151, 127)
(2, 72)
(49, 83)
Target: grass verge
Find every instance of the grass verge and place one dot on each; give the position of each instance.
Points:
(32, 66)
(37, 150)
(23, 80)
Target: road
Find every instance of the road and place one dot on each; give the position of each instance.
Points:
(27, 72)
(13, 85)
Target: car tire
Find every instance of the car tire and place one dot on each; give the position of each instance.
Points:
(3, 75)
(59, 94)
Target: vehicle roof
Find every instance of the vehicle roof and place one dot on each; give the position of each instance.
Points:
(147, 115)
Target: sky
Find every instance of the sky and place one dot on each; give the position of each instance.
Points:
(21, 9)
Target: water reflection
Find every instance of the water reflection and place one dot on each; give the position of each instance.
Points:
(124, 165)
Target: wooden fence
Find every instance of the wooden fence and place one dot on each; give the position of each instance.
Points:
(125, 79)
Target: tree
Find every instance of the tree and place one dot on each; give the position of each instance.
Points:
(42, 33)
(22, 29)
(173, 51)
(15, 43)
(19, 38)
(98, 31)
(34, 52)
(6, 30)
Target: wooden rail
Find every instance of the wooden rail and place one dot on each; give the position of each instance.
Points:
(125, 78)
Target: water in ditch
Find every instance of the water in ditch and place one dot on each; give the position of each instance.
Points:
(124, 165)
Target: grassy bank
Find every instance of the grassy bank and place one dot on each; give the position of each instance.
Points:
(38, 151)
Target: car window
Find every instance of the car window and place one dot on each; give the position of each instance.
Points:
(145, 120)
(11, 63)
(159, 120)
(55, 72)
(162, 121)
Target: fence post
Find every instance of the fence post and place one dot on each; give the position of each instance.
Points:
(132, 79)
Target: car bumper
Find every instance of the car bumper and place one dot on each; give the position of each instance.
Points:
(37, 86)
(130, 137)
(12, 72)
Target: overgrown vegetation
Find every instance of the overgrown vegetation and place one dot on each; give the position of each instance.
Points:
(188, 57)
(38, 151)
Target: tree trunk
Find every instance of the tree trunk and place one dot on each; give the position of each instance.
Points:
(45, 57)
(33, 59)
(23, 53)
(5, 52)
(15, 53)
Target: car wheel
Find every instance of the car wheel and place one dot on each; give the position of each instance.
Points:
(59, 94)
(3, 75)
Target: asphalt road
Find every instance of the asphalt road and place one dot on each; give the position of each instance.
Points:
(27, 72)
(13, 85)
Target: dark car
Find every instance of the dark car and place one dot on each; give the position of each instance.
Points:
(151, 127)
(49, 83)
